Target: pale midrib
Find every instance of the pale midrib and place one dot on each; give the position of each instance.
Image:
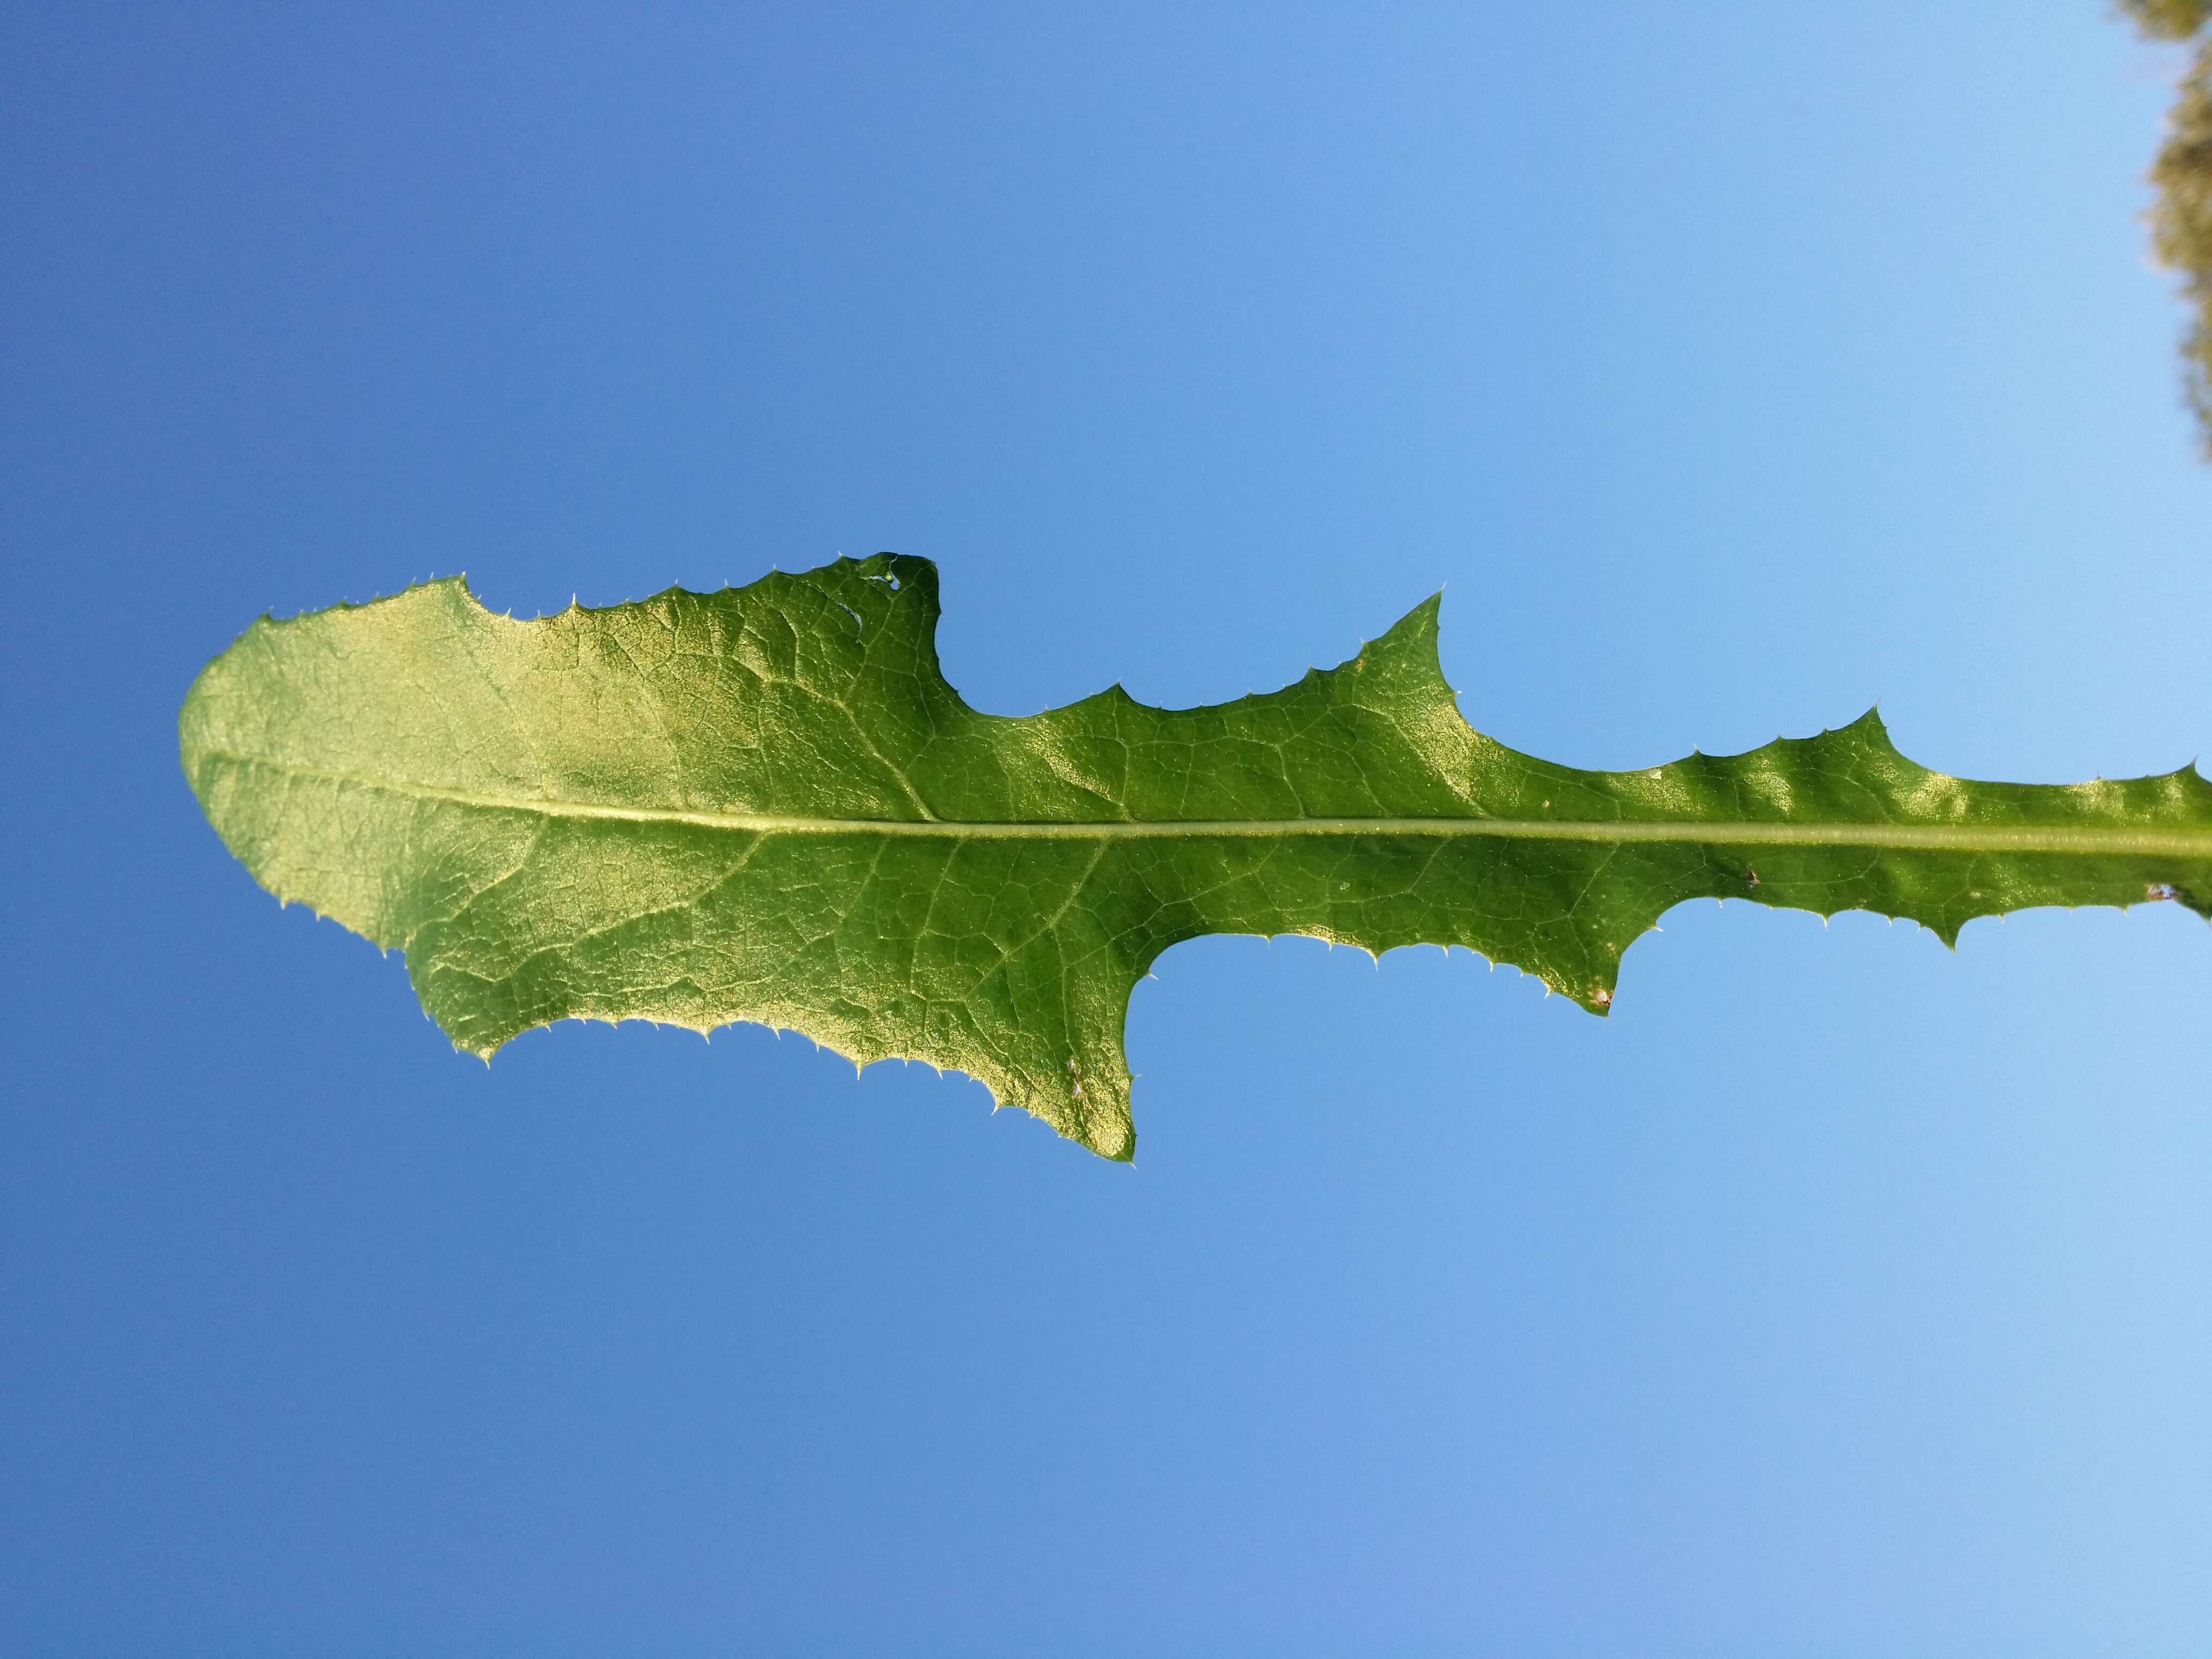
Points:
(2084, 840)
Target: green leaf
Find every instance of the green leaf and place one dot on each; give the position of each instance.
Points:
(767, 804)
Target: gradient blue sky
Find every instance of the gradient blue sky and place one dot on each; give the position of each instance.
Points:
(1730, 367)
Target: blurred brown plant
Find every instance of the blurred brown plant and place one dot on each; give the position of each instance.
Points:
(2168, 20)
(2181, 216)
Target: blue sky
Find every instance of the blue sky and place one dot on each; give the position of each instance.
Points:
(1729, 369)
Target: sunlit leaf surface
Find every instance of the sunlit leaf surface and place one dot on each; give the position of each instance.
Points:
(767, 804)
